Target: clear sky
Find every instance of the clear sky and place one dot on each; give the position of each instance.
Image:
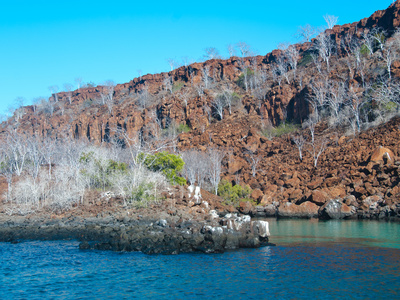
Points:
(46, 43)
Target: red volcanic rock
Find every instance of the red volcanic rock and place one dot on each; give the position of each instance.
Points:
(245, 207)
(257, 195)
(319, 197)
(236, 165)
(382, 154)
(304, 210)
(315, 183)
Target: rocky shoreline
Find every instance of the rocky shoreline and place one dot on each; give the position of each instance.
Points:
(371, 208)
(147, 235)
(216, 234)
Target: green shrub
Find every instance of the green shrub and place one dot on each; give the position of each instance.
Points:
(141, 196)
(271, 132)
(99, 171)
(240, 81)
(183, 128)
(305, 60)
(177, 86)
(364, 51)
(173, 129)
(168, 164)
(233, 195)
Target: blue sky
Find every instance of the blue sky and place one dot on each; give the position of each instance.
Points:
(47, 44)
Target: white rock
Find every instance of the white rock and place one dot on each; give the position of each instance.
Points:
(214, 214)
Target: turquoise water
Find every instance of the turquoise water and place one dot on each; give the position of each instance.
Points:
(322, 260)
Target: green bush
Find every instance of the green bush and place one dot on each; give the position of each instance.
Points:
(177, 86)
(168, 164)
(141, 196)
(183, 128)
(99, 171)
(280, 130)
(305, 60)
(233, 195)
(240, 82)
(364, 51)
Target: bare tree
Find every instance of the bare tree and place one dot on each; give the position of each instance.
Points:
(68, 90)
(245, 74)
(317, 148)
(205, 76)
(215, 167)
(318, 97)
(20, 101)
(306, 32)
(330, 20)
(244, 49)
(300, 142)
(211, 53)
(258, 86)
(171, 63)
(185, 61)
(219, 104)
(184, 96)
(389, 55)
(231, 50)
(144, 99)
(168, 83)
(254, 161)
(293, 55)
(282, 68)
(336, 98)
(276, 74)
(54, 90)
(48, 150)
(310, 123)
(199, 87)
(317, 62)
(230, 98)
(107, 95)
(79, 82)
(356, 103)
(379, 36)
(325, 47)
(196, 163)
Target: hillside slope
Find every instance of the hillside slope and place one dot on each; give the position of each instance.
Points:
(357, 65)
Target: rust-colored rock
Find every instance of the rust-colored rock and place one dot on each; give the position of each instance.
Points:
(304, 210)
(257, 195)
(382, 154)
(319, 197)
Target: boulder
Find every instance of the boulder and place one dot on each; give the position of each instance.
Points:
(335, 209)
(318, 197)
(312, 185)
(257, 195)
(246, 208)
(305, 210)
(382, 154)
(372, 202)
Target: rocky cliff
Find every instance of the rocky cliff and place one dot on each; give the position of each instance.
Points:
(283, 185)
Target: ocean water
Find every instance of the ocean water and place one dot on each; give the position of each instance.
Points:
(321, 260)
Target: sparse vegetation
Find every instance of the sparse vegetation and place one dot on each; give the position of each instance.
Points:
(270, 131)
(233, 195)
